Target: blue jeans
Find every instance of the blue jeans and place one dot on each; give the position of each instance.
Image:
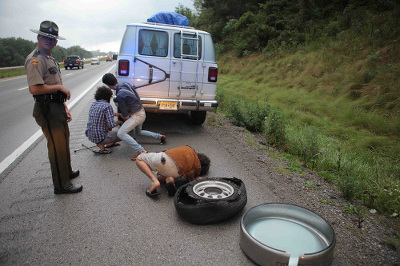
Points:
(135, 123)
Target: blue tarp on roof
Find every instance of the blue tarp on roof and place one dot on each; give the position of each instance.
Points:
(171, 18)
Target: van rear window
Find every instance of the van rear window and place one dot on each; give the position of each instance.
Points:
(190, 44)
(154, 43)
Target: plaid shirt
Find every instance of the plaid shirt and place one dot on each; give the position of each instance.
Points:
(101, 120)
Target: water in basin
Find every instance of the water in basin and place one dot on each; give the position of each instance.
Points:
(286, 235)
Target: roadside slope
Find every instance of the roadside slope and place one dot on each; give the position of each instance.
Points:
(360, 240)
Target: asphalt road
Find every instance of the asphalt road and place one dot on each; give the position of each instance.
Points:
(112, 221)
(16, 104)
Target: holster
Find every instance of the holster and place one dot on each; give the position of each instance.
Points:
(45, 99)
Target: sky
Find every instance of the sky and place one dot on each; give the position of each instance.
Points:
(91, 24)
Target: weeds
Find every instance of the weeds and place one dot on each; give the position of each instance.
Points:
(248, 114)
(274, 128)
(304, 143)
(310, 185)
(347, 186)
(360, 212)
(295, 167)
(326, 202)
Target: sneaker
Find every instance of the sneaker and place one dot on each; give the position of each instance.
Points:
(163, 139)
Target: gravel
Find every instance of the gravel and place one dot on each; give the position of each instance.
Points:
(360, 239)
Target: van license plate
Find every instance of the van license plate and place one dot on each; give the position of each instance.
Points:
(168, 105)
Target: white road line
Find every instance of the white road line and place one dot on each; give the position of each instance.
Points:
(23, 89)
(21, 149)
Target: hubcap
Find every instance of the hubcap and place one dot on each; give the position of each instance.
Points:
(213, 190)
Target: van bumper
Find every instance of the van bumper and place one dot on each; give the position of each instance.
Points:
(178, 106)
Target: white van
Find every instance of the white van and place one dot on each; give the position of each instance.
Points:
(172, 67)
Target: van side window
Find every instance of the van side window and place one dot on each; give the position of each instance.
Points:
(189, 47)
(154, 43)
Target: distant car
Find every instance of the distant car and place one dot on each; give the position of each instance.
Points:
(109, 59)
(94, 61)
(73, 61)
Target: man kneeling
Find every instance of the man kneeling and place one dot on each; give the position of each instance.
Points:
(101, 121)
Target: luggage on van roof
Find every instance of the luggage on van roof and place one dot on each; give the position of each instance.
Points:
(171, 18)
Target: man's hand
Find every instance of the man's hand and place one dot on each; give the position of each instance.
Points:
(69, 116)
(66, 91)
(119, 115)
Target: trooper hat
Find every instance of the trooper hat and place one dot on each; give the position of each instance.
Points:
(48, 29)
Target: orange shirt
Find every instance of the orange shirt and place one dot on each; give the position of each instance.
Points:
(187, 161)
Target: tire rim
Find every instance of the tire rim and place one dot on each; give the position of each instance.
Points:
(213, 190)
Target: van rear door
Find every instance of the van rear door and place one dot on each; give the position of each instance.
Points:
(186, 65)
(151, 64)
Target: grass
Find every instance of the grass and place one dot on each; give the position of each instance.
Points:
(335, 106)
(6, 73)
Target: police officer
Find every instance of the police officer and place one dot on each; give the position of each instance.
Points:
(50, 111)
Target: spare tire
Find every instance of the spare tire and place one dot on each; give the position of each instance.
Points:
(210, 200)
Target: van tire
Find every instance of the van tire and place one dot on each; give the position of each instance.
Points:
(198, 117)
(210, 211)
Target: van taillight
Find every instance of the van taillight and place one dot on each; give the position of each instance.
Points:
(212, 74)
(123, 68)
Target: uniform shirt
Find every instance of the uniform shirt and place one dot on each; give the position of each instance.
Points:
(101, 120)
(187, 161)
(42, 69)
(128, 99)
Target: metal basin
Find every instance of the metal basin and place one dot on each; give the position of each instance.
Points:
(284, 234)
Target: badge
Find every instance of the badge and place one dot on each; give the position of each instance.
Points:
(53, 70)
(35, 62)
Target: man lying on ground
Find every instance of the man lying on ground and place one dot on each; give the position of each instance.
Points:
(170, 164)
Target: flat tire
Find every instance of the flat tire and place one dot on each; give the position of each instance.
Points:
(210, 200)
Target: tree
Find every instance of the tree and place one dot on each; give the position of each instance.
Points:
(246, 26)
(13, 51)
(187, 12)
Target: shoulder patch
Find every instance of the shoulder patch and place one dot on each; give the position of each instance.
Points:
(35, 62)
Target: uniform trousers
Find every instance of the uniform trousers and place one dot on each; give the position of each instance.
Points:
(52, 118)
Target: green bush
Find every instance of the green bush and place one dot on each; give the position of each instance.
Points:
(304, 143)
(274, 128)
(347, 187)
(248, 113)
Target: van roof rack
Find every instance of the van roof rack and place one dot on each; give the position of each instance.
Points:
(169, 25)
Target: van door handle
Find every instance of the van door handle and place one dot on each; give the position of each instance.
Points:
(150, 74)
